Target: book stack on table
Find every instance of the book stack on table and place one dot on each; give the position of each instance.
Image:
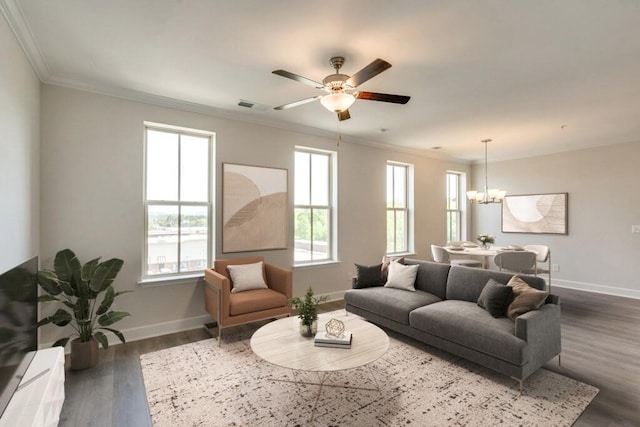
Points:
(323, 340)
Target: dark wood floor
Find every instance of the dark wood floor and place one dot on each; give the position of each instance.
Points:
(600, 346)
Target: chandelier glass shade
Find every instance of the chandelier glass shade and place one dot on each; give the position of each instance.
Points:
(487, 196)
(337, 101)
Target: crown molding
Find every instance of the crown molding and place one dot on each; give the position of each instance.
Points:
(21, 29)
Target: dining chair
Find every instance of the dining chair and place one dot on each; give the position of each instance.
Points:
(517, 261)
(441, 255)
(543, 255)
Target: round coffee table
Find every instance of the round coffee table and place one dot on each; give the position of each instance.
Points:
(281, 344)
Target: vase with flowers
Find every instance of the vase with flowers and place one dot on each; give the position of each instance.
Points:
(486, 240)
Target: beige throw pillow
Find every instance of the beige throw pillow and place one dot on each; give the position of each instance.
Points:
(402, 276)
(247, 276)
(525, 298)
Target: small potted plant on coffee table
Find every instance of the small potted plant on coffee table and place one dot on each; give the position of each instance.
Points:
(307, 308)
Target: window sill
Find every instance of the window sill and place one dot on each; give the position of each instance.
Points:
(402, 254)
(319, 264)
(187, 279)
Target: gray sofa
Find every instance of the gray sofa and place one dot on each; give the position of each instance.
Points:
(443, 312)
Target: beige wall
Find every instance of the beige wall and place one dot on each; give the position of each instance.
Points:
(599, 253)
(92, 157)
(19, 153)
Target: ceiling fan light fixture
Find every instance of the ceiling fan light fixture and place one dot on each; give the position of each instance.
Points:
(338, 101)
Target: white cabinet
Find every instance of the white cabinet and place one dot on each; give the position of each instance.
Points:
(39, 398)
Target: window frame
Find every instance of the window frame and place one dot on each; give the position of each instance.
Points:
(208, 204)
(460, 212)
(407, 209)
(331, 207)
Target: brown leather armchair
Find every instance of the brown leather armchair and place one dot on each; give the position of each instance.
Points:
(231, 309)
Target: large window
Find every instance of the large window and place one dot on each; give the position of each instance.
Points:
(398, 207)
(314, 206)
(177, 203)
(455, 205)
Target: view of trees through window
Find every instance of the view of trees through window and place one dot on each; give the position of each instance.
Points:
(312, 201)
(177, 202)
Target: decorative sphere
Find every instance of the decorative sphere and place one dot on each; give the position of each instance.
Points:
(334, 328)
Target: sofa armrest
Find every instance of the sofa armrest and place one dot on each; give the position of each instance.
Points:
(541, 330)
(280, 279)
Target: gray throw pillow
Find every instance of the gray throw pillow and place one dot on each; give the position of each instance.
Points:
(368, 276)
(495, 298)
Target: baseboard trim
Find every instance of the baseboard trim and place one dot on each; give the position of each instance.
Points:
(595, 288)
(150, 331)
(334, 296)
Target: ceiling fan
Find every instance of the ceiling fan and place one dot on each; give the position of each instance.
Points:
(341, 90)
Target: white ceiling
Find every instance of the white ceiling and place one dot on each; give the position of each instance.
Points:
(537, 77)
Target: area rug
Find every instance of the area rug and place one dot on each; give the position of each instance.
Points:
(201, 384)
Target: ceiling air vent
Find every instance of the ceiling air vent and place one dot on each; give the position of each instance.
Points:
(252, 105)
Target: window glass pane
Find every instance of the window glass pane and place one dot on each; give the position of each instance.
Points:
(391, 231)
(194, 169)
(452, 191)
(389, 186)
(162, 165)
(400, 186)
(302, 183)
(302, 236)
(162, 240)
(194, 238)
(319, 180)
(401, 231)
(320, 234)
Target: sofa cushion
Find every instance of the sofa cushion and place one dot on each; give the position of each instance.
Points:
(466, 324)
(466, 283)
(394, 304)
(525, 298)
(495, 298)
(431, 277)
(402, 276)
(255, 300)
(368, 276)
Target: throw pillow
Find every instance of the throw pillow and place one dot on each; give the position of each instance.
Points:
(367, 277)
(385, 266)
(495, 298)
(247, 276)
(402, 276)
(525, 298)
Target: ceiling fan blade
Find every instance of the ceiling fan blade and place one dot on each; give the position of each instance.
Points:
(368, 72)
(297, 103)
(384, 97)
(298, 78)
(344, 115)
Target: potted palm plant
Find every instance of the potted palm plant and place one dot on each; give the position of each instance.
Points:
(87, 296)
(307, 308)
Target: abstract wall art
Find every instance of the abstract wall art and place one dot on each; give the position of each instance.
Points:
(535, 213)
(254, 208)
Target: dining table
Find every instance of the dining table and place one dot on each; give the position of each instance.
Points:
(476, 251)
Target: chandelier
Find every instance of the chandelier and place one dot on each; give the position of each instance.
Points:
(493, 195)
